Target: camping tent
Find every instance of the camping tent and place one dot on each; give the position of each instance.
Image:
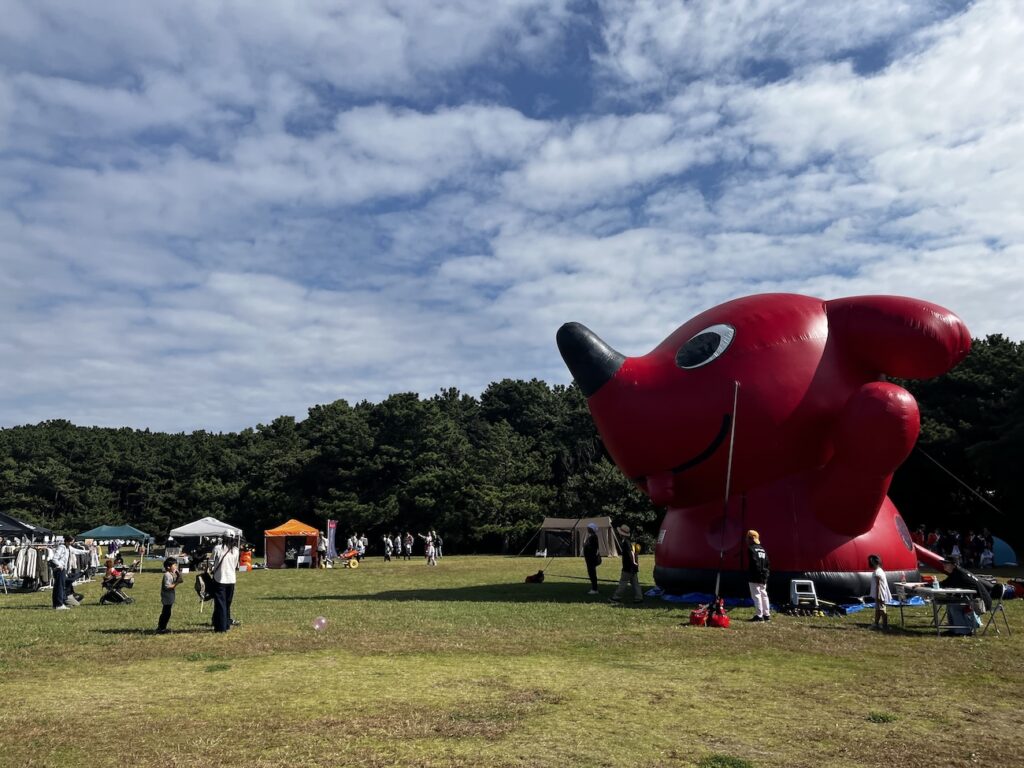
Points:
(126, 532)
(1003, 552)
(207, 526)
(277, 541)
(565, 535)
(12, 526)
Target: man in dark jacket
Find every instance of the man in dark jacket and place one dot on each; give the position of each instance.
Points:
(960, 615)
(757, 576)
(592, 556)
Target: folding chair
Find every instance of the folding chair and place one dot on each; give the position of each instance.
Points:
(997, 607)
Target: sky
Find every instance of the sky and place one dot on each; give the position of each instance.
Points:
(214, 213)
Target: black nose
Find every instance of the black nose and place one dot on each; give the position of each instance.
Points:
(591, 361)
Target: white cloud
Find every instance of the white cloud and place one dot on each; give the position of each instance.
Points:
(214, 213)
(649, 45)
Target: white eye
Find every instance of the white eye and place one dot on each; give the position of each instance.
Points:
(704, 347)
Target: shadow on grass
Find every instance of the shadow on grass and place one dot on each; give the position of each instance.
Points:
(860, 626)
(26, 608)
(197, 631)
(547, 592)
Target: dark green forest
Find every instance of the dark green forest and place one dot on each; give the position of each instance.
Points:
(482, 471)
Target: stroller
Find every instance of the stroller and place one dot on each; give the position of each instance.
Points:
(114, 589)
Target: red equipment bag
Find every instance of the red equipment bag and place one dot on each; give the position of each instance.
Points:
(718, 620)
(699, 616)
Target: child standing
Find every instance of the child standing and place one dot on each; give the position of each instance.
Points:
(880, 592)
(170, 583)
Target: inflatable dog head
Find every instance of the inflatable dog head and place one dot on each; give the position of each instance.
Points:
(789, 362)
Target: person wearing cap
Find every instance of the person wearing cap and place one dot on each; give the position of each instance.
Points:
(757, 570)
(592, 556)
(59, 557)
(225, 574)
(630, 568)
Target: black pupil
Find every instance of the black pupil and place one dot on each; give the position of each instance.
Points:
(698, 349)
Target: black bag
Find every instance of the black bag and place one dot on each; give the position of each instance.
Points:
(204, 586)
(598, 560)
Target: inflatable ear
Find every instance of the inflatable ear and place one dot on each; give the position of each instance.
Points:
(898, 336)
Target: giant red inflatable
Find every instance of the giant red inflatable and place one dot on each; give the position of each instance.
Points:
(794, 388)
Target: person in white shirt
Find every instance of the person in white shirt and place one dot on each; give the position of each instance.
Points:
(880, 592)
(59, 557)
(225, 573)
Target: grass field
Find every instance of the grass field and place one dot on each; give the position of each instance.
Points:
(465, 665)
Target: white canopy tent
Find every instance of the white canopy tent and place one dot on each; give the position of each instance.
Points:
(207, 526)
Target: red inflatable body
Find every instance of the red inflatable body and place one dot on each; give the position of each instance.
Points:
(815, 435)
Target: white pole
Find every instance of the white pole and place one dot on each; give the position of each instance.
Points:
(728, 483)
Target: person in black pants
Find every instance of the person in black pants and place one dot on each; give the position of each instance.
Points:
(225, 566)
(59, 569)
(170, 583)
(592, 556)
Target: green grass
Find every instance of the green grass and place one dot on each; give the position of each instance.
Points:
(465, 665)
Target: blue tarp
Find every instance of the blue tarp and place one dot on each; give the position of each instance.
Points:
(693, 598)
(856, 607)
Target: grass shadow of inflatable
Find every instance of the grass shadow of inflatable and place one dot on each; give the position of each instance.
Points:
(517, 592)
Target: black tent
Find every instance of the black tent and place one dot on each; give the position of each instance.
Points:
(12, 526)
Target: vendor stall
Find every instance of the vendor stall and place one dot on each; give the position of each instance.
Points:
(291, 538)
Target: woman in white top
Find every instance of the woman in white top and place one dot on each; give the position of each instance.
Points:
(224, 573)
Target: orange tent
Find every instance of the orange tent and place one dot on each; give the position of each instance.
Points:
(276, 539)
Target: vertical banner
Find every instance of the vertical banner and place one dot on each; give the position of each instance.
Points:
(332, 527)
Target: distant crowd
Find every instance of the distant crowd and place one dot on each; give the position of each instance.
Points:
(393, 546)
(969, 549)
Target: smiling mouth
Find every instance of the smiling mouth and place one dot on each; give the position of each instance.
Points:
(706, 454)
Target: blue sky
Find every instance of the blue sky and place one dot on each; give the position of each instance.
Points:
(215, 213)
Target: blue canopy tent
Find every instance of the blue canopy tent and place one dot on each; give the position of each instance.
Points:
(126, 532)
(1003, 552)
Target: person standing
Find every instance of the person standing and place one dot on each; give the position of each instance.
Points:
(225, 574)
(880, 593)
(170, 582)
(407, 550)
(59, 557)
(321, 550)
(758, 569)
(629, 579)
(397, 545)
(388, 547)
(428, 548)
(438, 543)
(592, 556)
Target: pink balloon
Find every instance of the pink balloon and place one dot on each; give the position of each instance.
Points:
(319, 623)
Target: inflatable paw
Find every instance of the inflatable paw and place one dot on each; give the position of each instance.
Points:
(795, 387)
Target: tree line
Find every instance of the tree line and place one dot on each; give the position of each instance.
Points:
(482, 471)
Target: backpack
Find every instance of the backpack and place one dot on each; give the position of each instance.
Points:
(204, 586)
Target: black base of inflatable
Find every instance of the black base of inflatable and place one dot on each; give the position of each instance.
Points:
(834, 586)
